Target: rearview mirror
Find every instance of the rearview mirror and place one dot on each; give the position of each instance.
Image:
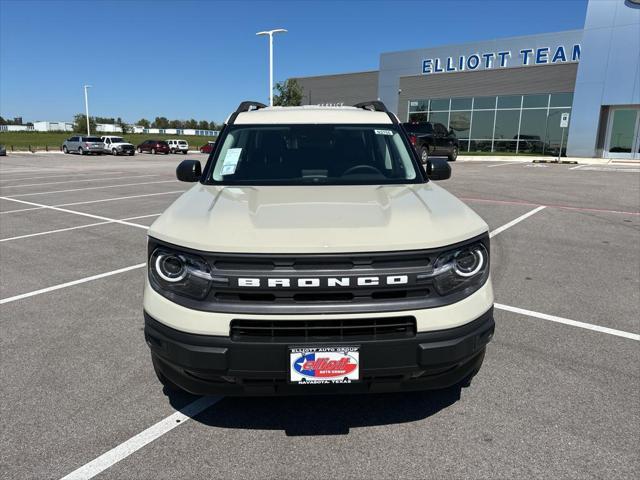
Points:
(438, 169)
(189, 171)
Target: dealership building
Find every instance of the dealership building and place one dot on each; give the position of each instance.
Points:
(510, 94)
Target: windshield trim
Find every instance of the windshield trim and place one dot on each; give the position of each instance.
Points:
(207, 174)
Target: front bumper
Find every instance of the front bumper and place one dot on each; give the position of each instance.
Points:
(207, 364)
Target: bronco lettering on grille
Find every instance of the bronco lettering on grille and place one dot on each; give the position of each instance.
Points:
(316, 282)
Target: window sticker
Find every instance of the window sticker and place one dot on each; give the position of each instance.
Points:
(230, 161)
(383, 132)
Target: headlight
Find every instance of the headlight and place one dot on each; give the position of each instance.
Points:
(461, 268)
(180, 273)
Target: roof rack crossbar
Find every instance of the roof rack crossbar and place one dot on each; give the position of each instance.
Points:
(245, 107)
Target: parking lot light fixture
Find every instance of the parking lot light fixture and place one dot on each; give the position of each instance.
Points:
(86, 108)
(271, 33)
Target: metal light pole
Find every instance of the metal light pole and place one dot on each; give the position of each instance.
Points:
(270, 33)
(86, 108)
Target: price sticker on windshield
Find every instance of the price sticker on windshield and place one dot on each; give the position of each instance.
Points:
(230, 161)
(383, 132)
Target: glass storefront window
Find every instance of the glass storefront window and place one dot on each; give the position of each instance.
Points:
(509, 101)
(481, 103)
(461, 103)
(482, 125)
(440, 117)
(440, 104)
(507, 124)
(523, 123)
(561, 99)
(460, 123)
(535, 101)
(533, 128)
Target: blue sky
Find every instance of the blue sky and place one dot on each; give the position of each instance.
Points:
(199, 59)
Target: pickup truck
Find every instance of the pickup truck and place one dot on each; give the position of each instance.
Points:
(432, 139)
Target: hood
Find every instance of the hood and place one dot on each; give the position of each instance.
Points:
(122, 144)
(316, 219)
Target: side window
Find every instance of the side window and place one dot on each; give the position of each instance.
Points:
(439, 128)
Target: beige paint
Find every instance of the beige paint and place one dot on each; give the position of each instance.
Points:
(316, 219)
(208, 323)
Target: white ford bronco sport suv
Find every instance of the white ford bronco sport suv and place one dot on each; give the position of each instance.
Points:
(315, 254)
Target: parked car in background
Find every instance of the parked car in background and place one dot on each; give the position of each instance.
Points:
(154, 146)
(3, 151)
(83, 145)
(432, 139)
(117, 146)
(208, 147)
(178, 146)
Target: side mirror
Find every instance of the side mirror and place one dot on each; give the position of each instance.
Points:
(438, 169)
(189, 171)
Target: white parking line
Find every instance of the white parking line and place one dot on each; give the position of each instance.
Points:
(504, 164)
(92, 201)
(70, 284)
(29, 235)
(67, 175)
(515, 221)
(76, 181)
(90, 188)
(145, 437)
(75, 212)
(566, 321)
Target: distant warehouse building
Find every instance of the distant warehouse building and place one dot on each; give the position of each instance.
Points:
(509, 94)
(53, 126)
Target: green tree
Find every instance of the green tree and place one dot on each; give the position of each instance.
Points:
(143, 122)
(2, 121)
(175, 124)
(289, 93)
(123, 125)
(203, 125)
(160, 122)
(191, 124)
(80, 123)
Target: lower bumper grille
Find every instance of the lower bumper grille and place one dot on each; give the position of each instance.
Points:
(323, 330)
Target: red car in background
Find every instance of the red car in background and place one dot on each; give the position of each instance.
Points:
(208, 148)
(154, 146)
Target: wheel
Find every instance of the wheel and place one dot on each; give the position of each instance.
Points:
(168, 384)
(153, 151)
(139, 150)
(132, 153)
(453, 155)
(65, 149)
(167, 152)
(173, 150)
(184, 152)
(80, 151)
(114, 152)
(201, 150)
(424, 155)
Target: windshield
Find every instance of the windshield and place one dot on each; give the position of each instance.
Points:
(302, 154)
(117, 140)
(92, 139)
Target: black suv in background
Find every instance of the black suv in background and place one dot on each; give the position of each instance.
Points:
(432, 139)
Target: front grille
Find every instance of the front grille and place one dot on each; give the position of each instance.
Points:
(286, 331)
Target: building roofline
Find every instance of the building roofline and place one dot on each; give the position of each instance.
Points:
(335, 74)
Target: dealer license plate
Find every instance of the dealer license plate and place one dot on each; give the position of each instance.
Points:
(324, 365)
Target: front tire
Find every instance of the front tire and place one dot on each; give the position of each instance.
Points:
(453, 155)
(65, 150)
(114, 152)
(153, 151)
(80, 151)
(139, 150)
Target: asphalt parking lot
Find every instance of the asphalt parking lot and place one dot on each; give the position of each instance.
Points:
(558, 395)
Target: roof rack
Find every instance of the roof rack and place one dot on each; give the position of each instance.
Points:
(377, 106)
(245, 107)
